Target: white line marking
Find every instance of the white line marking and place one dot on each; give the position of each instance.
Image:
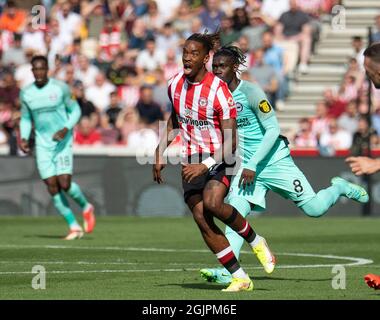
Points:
(354, 261)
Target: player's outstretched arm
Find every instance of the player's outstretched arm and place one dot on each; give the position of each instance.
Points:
(165, 140)
(363, 165)
(25, 125)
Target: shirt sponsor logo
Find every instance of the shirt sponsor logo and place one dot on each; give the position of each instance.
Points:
(201, 124)
(243, 122)
(53, 97)
(265, 106)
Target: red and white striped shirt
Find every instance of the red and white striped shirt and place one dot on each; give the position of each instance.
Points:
(200, 107)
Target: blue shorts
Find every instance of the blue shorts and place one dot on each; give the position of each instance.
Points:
(55, 162)
(282, 177)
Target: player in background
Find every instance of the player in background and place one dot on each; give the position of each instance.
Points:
(47, 104)
(365, 165)
(266, 163)
(204, 112)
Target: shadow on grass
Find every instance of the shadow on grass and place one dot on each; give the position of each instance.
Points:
(50, 236)
(287, 279)
(201, 286)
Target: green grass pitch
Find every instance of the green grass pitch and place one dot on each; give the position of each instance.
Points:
(159, 258)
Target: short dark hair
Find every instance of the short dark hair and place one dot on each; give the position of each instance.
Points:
(210, 41)
(373, 52)
(235, 53)
(41, 58)
(357, 38)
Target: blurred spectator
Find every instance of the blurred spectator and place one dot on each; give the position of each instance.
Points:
(243, 44)
(348, 90)
(227, 33)
(255, 30)
(15, 55)
(265, 76)
(145, 139)
(9, 92)
(69, 22)
(138, 36)
(109, 40)
(363, 138)
(58, 42)
(99, 93)
(274, 8)
(93, 14)
(33, 38)
(274, 56)
(23, 73)
(129, 92)
(3, 136)
(334, 139)
(73, 53)
(172, 64)
(294, 25)
(376, 120)
(376, 31)
(151, 58)
(87, 107)
(12, 19)
(349, 119)
(113, 110)
(335, 105)
(118, 70)
(305, 138)
(86, 71)
(240, 19)
(127, 122)
(109, 134)
(86, 134)
(160, 93)
(153, 19)
(149, 110)
(196, 27)
(212, 15)
(168, 38)
(313, 8)
(184, 18)
(320, 122)
(358, 50)
(168, 9)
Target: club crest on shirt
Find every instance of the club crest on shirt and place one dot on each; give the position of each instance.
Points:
(202, 102)
(239, 107)
(265, 106)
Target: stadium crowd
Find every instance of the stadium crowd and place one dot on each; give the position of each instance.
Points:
(341, 119)
(117, 56)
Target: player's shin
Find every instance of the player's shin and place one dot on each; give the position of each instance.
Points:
(77, 195)
(322, 201)
(62, 205)
(227, 258)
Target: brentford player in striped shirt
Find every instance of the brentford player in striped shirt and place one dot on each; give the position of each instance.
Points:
(205, 113)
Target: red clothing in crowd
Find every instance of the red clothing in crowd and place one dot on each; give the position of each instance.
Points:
(93, 137)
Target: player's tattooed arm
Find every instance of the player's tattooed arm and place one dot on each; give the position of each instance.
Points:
(166, 139)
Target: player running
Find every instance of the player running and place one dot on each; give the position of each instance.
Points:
(365, 165)
(47, 104)
(205, 113)
(266, 161)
